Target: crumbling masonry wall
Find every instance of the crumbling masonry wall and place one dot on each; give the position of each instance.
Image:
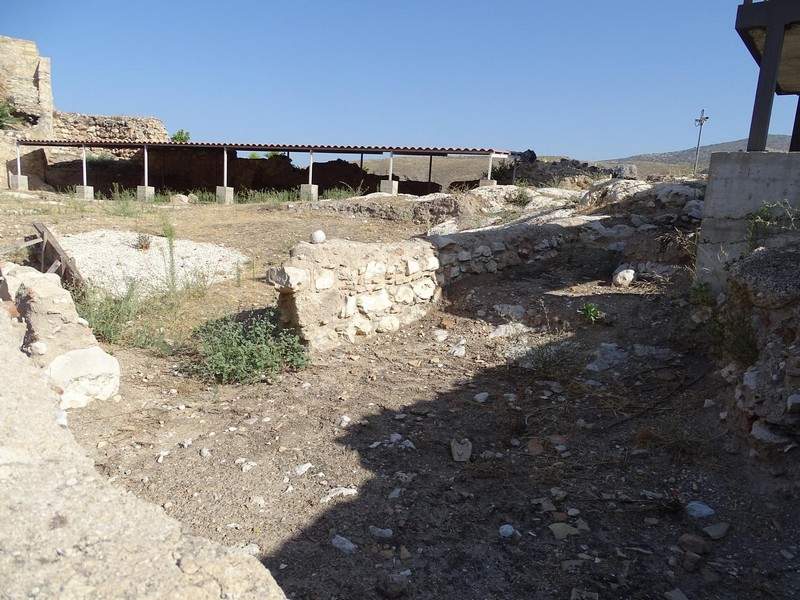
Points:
(337, 291)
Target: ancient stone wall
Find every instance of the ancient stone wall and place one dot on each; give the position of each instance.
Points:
(76, 126)
(764, 310)
(340, 290)
(25, 83)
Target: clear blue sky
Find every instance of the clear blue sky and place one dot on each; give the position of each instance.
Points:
(589, 79)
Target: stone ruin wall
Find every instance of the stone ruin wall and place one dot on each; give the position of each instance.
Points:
(25, 82)
(337, 291)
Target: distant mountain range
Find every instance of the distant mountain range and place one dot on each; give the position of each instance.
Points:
(779, 143)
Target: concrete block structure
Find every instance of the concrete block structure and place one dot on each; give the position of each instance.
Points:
(84, 192)
(145, 192)
(224, 194)
(740, 185)
(19, 182)
(309, 192)
(390, 186)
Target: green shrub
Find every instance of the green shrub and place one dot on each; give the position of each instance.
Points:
(108, 316)
(180, 136)
(342, 193)
(7, 116)
(590, 312)
(234, 351)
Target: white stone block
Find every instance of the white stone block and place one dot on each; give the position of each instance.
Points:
(325, 280)
(424, 289)
(84, 375)
(412, 266)
(432, 263)
(375, 302)
(404, 295)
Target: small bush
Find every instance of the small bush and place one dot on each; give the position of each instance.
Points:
(7, 116)
(233, 351)
(590, 312)
(108, 316)
(144, 241)
(342, 193)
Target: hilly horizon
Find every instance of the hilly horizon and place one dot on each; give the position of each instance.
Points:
(775, 143)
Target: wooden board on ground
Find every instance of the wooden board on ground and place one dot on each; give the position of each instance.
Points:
(54, 259)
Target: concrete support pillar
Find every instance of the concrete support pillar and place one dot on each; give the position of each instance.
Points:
(19, 182)
(145, 192)
(765, 92)
(309, 191)
(224, 194)
(390, 186)
(487, 182)
(84, 192)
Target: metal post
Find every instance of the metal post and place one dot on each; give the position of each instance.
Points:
(146, 169)
(489, 173)
(310, 166)
(224, 167)
(765, 92)
(391, 164)
(361, 164)
(430, 171)
(19, 162)
(84, 164)
(699, 123)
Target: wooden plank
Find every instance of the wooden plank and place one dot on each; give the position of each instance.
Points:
(56, 264)
(10, 249)
(52, 252)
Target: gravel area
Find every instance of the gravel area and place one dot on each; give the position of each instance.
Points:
(112, 259)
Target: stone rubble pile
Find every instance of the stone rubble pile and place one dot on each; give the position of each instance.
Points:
(48, 329)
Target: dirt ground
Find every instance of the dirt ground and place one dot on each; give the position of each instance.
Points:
(608, 458)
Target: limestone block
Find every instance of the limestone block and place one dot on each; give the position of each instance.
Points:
(362, 325)
(374, 270)
(412, 266)
(349, 308)
(325, 280)
(288, 279)
(387, 324)
(424, 289)
(84, 375)
(432, 263)
(375, 302)
(404, 295)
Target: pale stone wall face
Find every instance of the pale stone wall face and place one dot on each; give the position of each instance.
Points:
(338, 291)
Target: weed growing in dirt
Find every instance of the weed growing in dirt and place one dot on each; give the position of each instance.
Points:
(108, 315)
(766, 218)
(520, 197)
(144, 241)
(590, 312)
(342, 193)
(267, 196)
(233, 351)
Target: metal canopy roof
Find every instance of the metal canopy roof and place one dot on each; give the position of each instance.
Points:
(323, 149)
(752, 22)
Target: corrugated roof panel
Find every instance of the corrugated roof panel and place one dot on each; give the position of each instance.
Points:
(326, 149)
